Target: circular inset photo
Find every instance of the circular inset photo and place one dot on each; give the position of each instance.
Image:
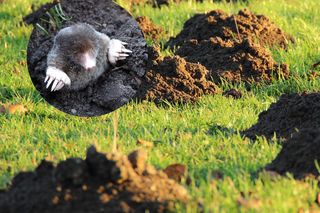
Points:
(86, 57)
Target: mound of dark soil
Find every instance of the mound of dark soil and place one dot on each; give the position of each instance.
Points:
(244, 25)
(234, 61)
(116, 87)
(173, 79)
(299, 155)
(291, 113)
(101, 183)
(149, 29)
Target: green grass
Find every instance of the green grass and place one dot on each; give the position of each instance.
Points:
(187, 134)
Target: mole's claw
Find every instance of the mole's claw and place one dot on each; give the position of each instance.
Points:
(54, 85)
(59, 86)
(49, 82)
(58, 77)
(126, 50)
(117, 51)
(123, 55)
(46, 79)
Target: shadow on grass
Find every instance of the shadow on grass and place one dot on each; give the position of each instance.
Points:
(220, 130)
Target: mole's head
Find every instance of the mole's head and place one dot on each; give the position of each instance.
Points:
(79, 44)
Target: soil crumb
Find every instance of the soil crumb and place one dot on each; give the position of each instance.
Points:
(172, 79)
(299, 154)
(234, 61)
(244, 25)
(290, 113)
(149, 29)
(109, 182)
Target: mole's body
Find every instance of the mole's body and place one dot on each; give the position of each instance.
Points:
(80, 55)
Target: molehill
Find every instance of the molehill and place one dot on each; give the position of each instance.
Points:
(244, 25)
(291, 113)
(299, 155)
(175, 80)
(234, 61)
(109, 182)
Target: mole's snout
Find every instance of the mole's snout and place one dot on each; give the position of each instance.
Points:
(88, 61)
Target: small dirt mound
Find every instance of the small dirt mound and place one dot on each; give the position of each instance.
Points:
(235, 27)
(234, 61)
(291, 113)
(149, 29)
(101, 183)
(299, 155)
(173, 79)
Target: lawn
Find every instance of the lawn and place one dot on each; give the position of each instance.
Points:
(203, 136)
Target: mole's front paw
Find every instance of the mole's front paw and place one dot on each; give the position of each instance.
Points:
(117, 51)
(57, 77)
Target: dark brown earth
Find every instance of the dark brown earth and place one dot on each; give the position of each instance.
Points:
(234, 61)
(109, 182)
(116, 87)
(172, 79)
(299, 154)
(149, 29)
(288, 115)
(244, 25)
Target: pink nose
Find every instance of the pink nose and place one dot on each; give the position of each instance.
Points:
(88, 62)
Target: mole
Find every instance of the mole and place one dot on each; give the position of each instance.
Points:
(80, 55)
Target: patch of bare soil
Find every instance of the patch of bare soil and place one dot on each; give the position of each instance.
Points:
(299, 155)
(244, 25)
(149, 29)
(109, 182)
(173, 79)
(234, 61)
(288, 115)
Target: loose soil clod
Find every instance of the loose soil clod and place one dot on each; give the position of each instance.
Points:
(173, 79)
(234, 61)
(291, 113)
(244, 25)
(102, 183)
(299, 155)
